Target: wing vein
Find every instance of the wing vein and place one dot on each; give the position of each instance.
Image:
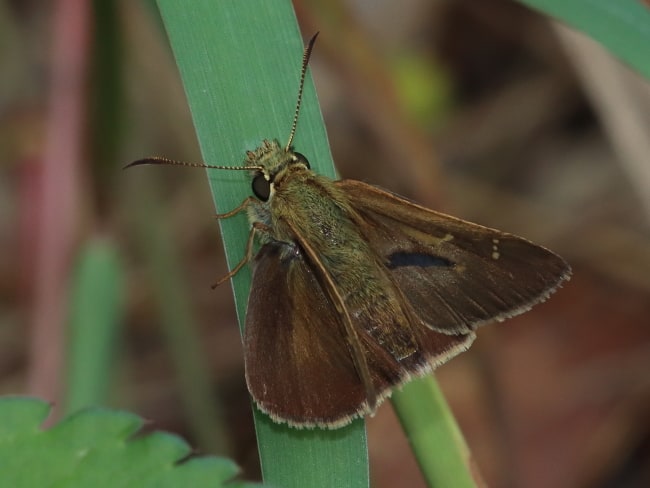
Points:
(353, 338)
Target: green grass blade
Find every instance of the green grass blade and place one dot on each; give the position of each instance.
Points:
(435, 438)
(96, 309)
(623, 26)
(240, 64)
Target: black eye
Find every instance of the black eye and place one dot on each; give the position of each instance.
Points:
(261, 187)
(301, 159)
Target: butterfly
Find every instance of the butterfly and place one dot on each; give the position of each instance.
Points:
(356, 290)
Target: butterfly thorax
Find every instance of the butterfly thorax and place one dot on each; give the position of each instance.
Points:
(299, 199)
(307, 209)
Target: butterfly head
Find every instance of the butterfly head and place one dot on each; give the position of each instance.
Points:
(271, 162)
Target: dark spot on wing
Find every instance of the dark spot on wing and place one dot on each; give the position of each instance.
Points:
(422, 260)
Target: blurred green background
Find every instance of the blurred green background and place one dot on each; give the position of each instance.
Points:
(485, 110)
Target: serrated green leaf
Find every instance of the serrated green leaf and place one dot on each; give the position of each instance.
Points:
(99, 448)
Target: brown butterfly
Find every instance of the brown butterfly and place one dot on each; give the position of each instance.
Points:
(356, 290)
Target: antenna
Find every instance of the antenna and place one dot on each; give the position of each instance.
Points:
(303, 72)
(173, 162)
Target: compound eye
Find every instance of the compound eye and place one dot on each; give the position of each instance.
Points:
(261, 187)
(299, 158)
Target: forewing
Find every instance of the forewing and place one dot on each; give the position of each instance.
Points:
(456, 275)
(299, 364)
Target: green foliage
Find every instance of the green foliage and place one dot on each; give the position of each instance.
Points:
(623, 26)
(96, 310)
(98, 448)
(422, 86)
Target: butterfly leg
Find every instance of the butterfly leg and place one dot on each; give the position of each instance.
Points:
(242, 206)
(256, 227)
